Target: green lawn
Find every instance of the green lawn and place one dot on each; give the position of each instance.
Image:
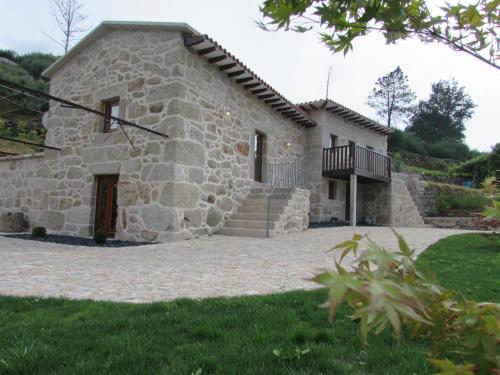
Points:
(226, 336)
(468, 264)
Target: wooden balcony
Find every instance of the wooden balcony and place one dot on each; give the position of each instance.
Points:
(343, 161)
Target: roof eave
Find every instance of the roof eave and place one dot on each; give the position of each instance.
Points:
(346, 113)
(207, 48)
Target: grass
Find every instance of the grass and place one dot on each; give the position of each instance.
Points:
(226, 335)
(468, 264)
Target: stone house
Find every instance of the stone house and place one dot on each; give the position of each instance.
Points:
(233, 141)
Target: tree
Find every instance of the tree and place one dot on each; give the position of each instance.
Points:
(473, 28)
(391, 96)
(441, 118)
(68, 19)
(36, 62)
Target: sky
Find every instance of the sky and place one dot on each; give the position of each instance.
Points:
(296, 65)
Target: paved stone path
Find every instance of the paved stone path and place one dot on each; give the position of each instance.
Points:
(204, 267)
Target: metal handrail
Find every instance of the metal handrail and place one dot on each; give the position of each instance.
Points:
(284, 179)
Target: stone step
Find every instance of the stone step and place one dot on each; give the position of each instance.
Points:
(257, 196)
(252, 209)
(255, 202)
(245, 232)
(260, 190)
(251, 216)
(249, 224)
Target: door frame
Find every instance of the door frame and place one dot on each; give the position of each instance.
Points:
(111, 197)
(258, 173)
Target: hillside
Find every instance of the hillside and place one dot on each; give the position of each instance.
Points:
(20, 116)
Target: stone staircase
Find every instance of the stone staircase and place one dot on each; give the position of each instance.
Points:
(251, 218)
(416, 187)
(405, 211)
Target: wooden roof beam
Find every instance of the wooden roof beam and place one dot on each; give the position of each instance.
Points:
(284, 108)
(193, 40)
(227, 66)
(235, 74)
(252, 85)
(277, 105)
(259, 91)
(243, 80)
(273, 100)
(206, 51)
(216, 59)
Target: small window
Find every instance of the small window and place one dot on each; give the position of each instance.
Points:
(333, 141)
(111, 108)
(332, 189)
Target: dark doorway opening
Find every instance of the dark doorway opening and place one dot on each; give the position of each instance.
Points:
(258, 156)
(348, 201)
(106, 206)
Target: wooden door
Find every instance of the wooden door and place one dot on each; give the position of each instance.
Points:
(258, 155)
(106, 206)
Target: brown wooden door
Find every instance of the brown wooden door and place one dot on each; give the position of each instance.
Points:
(258, 155)
(106, 206)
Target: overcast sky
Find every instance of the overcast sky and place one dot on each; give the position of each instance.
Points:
(294, 64)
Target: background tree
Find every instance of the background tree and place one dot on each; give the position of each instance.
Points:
(441, 118)
(392, 97)
(472, 28)
(68, 19)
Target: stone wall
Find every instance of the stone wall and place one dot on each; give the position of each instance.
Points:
(227, 140)
(473, 222)
(168, 189)
(390, 204)
(295, 217)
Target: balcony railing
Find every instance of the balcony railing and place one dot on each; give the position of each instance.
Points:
(342, 161)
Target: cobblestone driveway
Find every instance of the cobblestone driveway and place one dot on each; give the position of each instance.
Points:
(204, 267)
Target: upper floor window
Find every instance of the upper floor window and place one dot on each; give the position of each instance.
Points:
(333, 141)
(111, 108)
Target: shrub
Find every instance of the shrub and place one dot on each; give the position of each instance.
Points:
(385, 289)
(493, 211)
(39, 232)
(404, 141)
(100, 237)
(452, 197)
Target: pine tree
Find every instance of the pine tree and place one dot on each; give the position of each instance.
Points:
(392, 97)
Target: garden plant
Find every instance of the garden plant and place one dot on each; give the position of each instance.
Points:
(385, 289)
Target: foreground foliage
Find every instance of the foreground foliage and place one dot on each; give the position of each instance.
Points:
(276, 334)
(470, 28)
(386, 289)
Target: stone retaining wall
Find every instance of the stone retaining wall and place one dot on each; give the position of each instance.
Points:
(295, 217)
(391, 203)
(473, 222)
